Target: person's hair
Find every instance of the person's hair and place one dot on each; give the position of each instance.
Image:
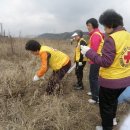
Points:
(93, 21)
(80, 33)
(111, 19)
(32, 45)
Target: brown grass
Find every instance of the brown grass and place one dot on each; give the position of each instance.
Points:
(23, 104)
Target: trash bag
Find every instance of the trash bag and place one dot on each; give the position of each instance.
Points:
(125, 96)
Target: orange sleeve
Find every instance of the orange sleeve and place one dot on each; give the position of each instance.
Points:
(44, 66)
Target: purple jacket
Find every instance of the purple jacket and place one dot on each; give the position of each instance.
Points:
(106, 60)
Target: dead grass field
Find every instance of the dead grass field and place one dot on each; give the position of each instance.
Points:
(23, 105)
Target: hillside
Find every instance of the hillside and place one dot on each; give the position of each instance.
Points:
(60, 36)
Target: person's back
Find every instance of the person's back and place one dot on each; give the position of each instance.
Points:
(57, 58)
(122, 58)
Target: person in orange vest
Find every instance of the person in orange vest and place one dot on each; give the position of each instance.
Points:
(58, 61)
(114, 74)
(79, 59)
(95, 42)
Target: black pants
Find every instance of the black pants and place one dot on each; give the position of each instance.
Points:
(93, 81)
(108, 101)
(79, 73)
(56, 77)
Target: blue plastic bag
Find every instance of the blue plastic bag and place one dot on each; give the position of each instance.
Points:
(125, 96)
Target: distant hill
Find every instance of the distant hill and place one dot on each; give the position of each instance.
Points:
(60, 36)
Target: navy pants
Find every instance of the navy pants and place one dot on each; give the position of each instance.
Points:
(93, 81)
(56, 77)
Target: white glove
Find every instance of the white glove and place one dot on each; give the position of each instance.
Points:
(36, 78)
(84, 49)
(80, 64)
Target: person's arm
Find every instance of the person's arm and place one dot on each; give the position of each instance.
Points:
(44, 65)
(81, 55)
(108, 54)
(95, 42)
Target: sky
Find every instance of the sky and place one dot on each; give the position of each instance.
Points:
(34, 17)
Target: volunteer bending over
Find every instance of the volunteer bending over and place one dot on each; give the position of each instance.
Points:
(50, 58)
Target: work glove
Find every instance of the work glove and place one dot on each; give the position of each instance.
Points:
(84, 49)
(36, 78)
(80, 64)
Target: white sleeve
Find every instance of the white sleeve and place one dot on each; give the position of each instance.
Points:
(126, 124)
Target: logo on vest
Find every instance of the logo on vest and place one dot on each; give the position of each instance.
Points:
(125, 57)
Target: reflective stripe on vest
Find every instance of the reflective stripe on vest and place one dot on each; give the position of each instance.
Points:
(57, 59)
(120, 68)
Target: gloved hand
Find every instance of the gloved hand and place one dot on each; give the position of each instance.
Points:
(80, 64)
(36, 78)
(84, 49)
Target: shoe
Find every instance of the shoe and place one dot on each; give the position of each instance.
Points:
(79, 88)
(89, 94)
(91, 101)
(114, 122)
(99, 128)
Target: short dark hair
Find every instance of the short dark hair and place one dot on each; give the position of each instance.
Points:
(93, 21)
(80, 33)
(32, 45)
(111, 19)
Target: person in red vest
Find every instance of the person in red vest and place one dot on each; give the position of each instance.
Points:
(95, 43)
(114, 74)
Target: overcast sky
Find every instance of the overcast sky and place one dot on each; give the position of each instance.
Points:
(33, 17)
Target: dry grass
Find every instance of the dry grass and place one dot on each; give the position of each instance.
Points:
(23, 105)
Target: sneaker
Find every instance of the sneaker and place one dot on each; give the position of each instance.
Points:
(99, 128)
(91, 101)
(89, 94)
(114, 122)
(78, 88)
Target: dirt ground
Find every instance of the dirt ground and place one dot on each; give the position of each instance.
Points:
(24, 105)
